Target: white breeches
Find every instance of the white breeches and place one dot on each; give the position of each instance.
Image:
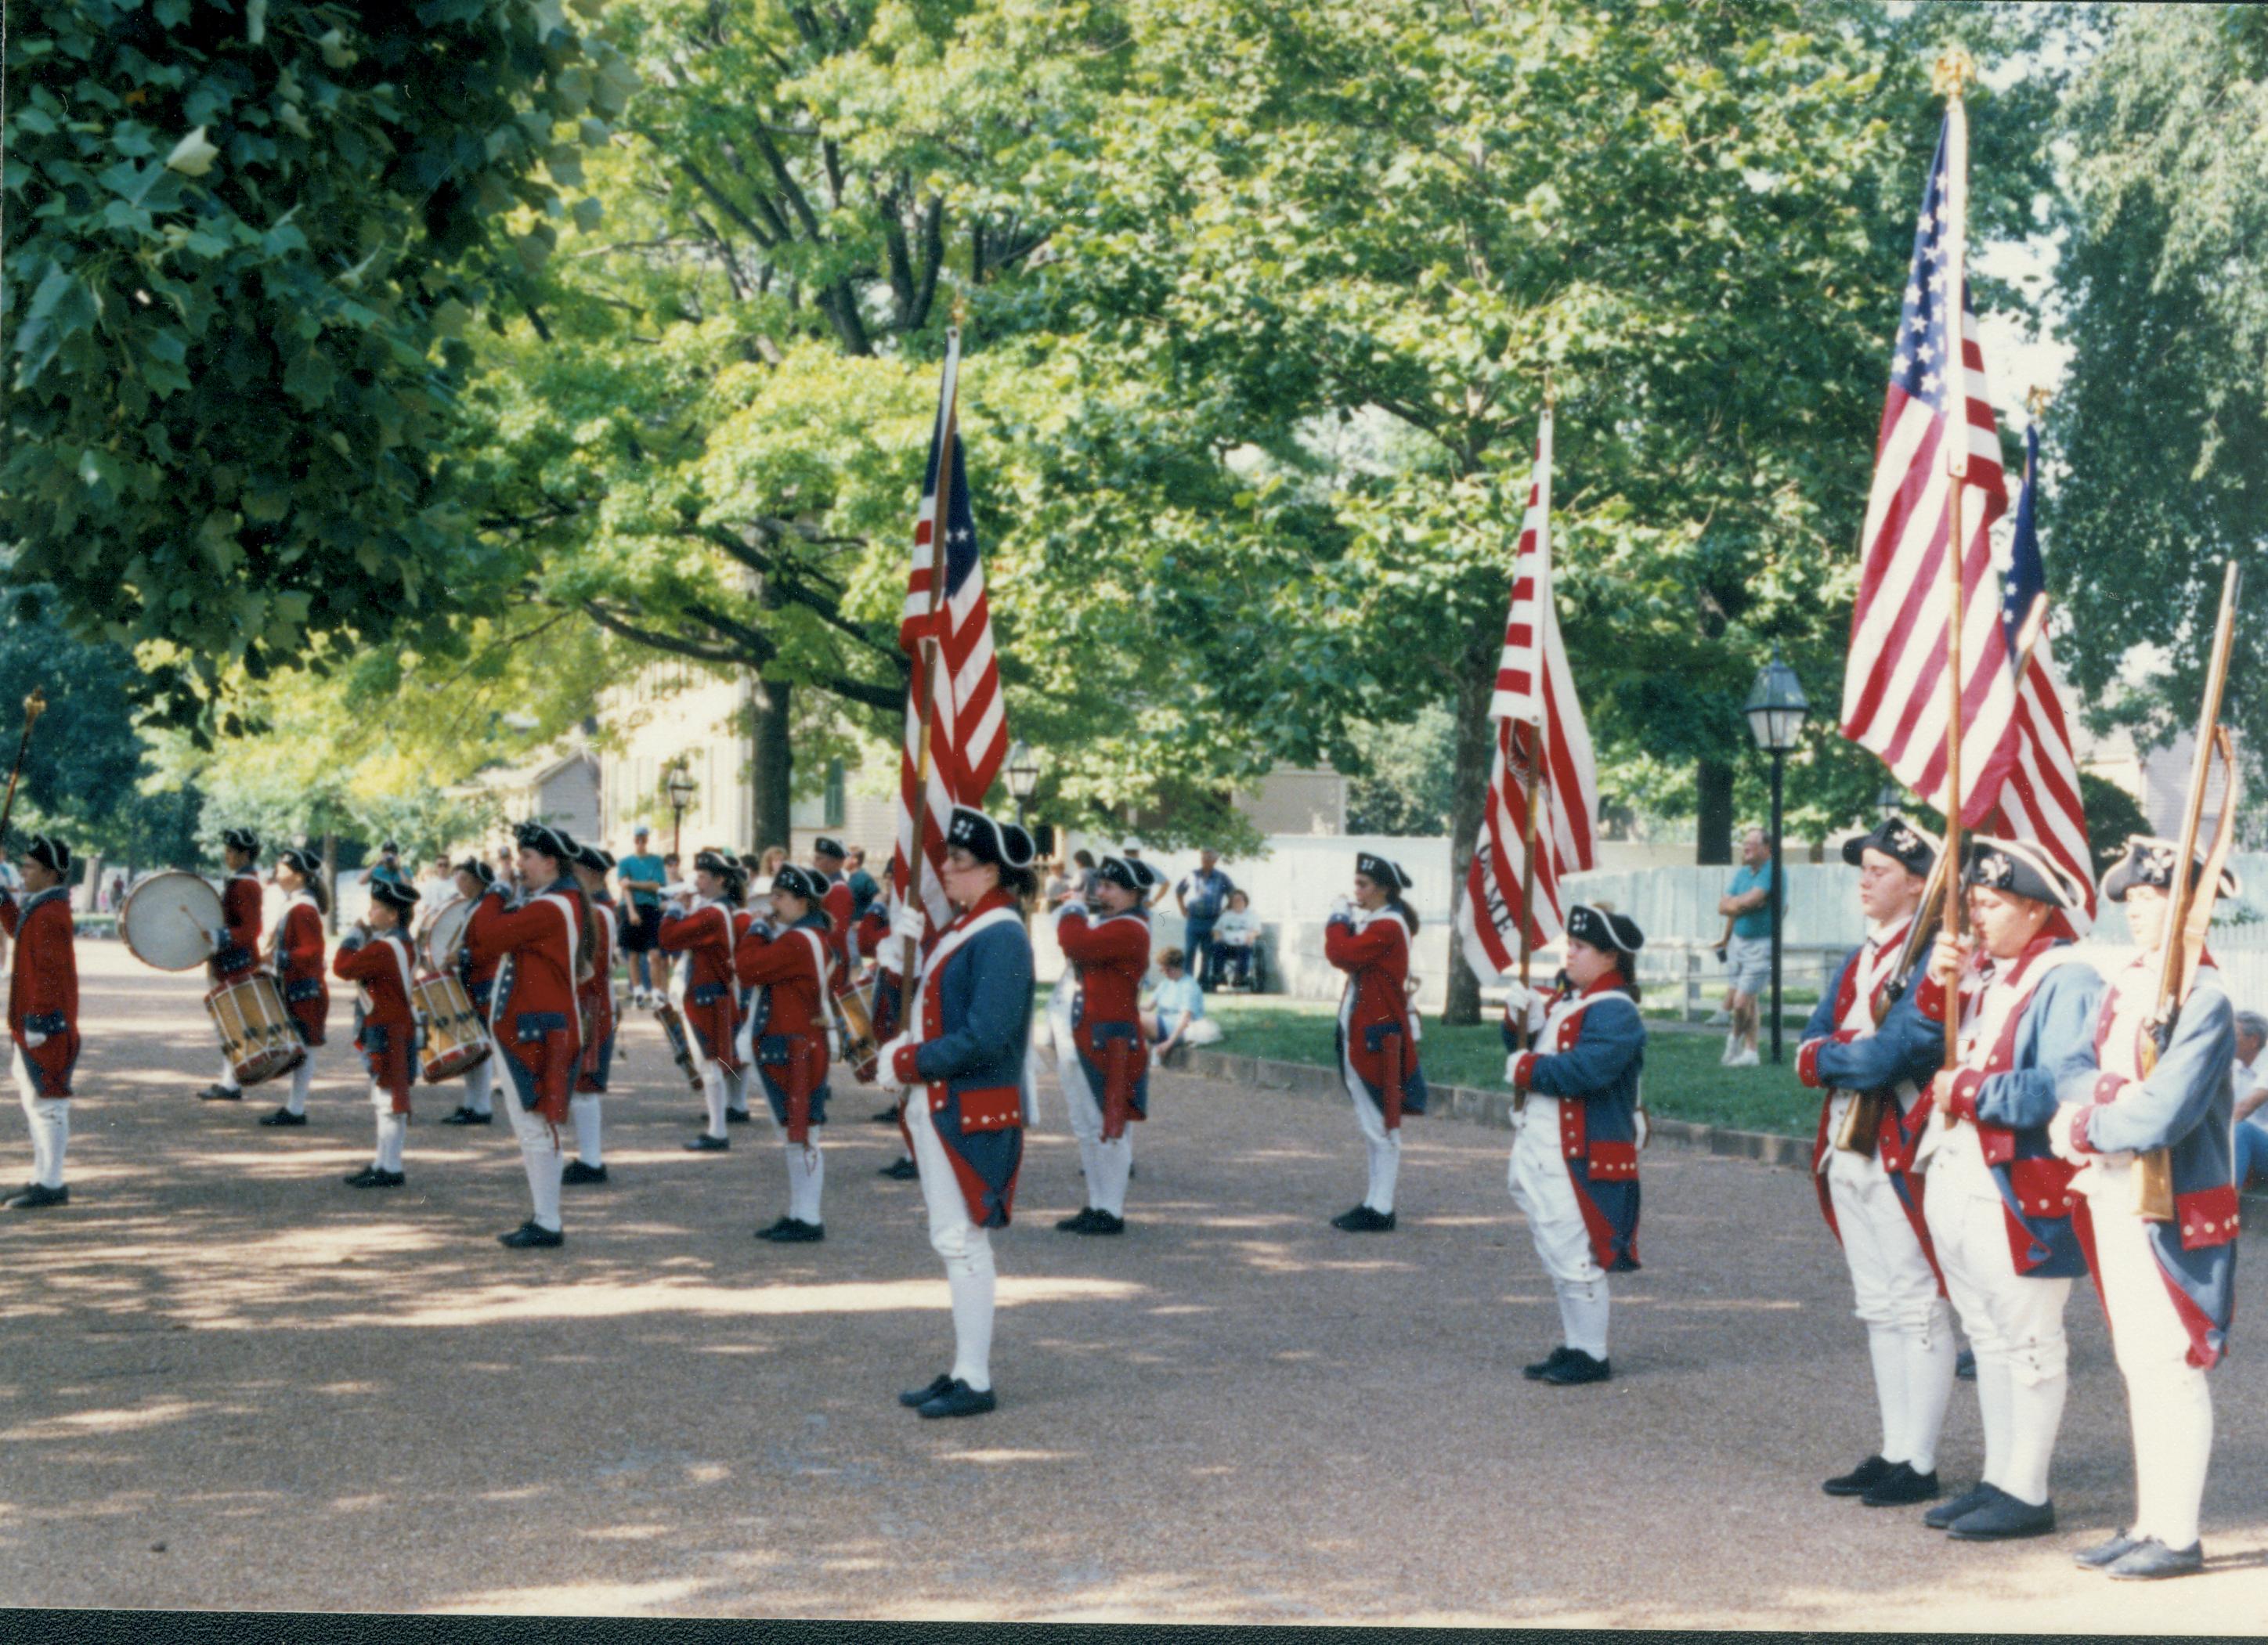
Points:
(2014, 1325)
(1384, 1146)
(582, 1110)
(540, 1153)
(1545, 1195)
(1908, 1325)
(392, 1129)
(1108, 1164)
(966, 1249)
(48, 1119)
(2169, 1401)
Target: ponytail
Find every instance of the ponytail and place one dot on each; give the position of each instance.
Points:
(319, 890)
(1409, 914)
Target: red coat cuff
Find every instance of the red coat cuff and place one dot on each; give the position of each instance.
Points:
(902, 1066)
(2106, 1087)
(1523, 1069)
(1963, 1102)
(1807, 1063)
(2080, 1139)
(1929, 999)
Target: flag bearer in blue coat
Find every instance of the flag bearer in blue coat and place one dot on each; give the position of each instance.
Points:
(2168, 1288)
(961, 1062)
(1575, 1130)
(1868, 1191)
(2000, 1201)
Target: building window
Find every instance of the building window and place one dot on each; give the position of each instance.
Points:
(834, 807)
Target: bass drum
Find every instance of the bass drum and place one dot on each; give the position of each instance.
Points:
(169, 919)
(446, 934)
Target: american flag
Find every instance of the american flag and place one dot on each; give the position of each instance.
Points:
(1894, 688)
(2039, 802)
(967, 721)
(1535, 699)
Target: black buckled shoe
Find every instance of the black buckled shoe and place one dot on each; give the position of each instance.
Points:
(1969, 1502)
(1902, 1487)
(888, 1116)
(575, 1172)
(1860, 1480)
(530, 1235)
(2003, 1519)
(902, 1170)
(371, 1176)
(1575, 1369)
(913, 1399)
(2109, 1551)
(1078, 1224)
(1535, 1373)
(706, 1144)
(957, 1399)
(34, 1196)
(2150, 1559)
(282, 1117)
(773, 1232)
(788, 1231)
(1363, 1220)
(736, 1116)
(218, 1092)
(467, 1116)
(1105, 1223)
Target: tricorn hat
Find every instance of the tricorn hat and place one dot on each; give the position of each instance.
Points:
(2150, 862)
(2020, 870)
(989, 840)
(1914, 849)
(1379, 871)
(1603, 928)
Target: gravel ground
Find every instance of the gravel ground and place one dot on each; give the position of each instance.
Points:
(231, 1382)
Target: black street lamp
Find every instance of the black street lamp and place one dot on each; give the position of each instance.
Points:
(1775, 708)
(681, 796)
(1888, 801)
(1023, 776)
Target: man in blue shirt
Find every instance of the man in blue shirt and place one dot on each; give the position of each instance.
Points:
(642, 876)
(1747, 903)
(1202, 895)
(864, 887)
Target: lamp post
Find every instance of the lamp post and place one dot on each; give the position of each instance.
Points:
(1888, 801)
(681, 796)
(1775, 708)
(1023, 776)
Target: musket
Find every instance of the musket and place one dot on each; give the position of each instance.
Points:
(2189, 908)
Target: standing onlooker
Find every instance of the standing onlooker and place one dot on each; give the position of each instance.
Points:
(642, 875)
(768, 868)
(1201, 896)
(1132, 853)
(507, 870)
(1234, 942)
(387, 869)
(1746, 902)
(1059, 884)
(864, 887)
(434, 890)
(2251, 1081)
(1083, 880)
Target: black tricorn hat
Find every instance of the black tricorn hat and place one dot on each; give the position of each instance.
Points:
(989, 840)
(1137, 876)
(2150, 862)
(805, 883)
(1379, 871)
(394, 893)
(2020, 870)
(1603, 928)
(552, 842)
(1914, 851)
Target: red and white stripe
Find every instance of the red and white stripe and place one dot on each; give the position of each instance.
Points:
(1534, 696)
(2039, 802)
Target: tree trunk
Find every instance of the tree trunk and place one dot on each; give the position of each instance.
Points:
(1713, 787)
(1476, 753)
(771, 762)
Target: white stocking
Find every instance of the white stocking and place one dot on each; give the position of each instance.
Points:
(583, 1111)
(1929, 1356)
(1114, 1163)
(806, 1175)
(1885, 1346)
(393, 1131)
(479, 1079)
(1583, 1314)
(302, 1077)
(971, 1281)
(712, 1092)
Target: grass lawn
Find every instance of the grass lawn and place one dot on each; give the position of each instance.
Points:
(1684, 1080)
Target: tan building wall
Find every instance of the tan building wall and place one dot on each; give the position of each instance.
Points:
(675, 713)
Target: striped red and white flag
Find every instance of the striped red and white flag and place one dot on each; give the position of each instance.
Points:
(1535, 702)
(1894, 686)
(967, 720)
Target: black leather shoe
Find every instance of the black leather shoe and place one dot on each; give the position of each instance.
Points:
(773, 1232)
(1964, 1365)
(957, 1399)
(902, 1170)
(913, 1399)
(1363, 1220)
(528, 1235)
(2109, 1551)
(1078, 1224)
(888, 1116)
(467, 1116)
(371, 1176)
(218, 1092)
(283, 1117)
(736, 1116)
(1968, 1502)
(706, 1144)
(34, 1197)
(1860, 1480)
(575, 1172)
(1902, 1487)
(1578, 1367)
(788, 1231)
(2003, 1519)
(2150, 1559)
(1104, 1223)
(1535, 1373)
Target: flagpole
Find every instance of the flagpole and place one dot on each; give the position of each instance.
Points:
(1953, 72)
(907, 983)
(1539, 743)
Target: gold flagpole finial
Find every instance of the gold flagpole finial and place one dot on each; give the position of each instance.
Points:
(1955, 72)
(2037, 401)
(1550, 390)
(34, 705)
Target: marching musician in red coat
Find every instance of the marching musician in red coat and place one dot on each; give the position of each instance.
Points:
(827, 857)
(535, 1020)
(703, 934)
(478, 974)
(294, 952)
(784, 962)
(743, 921)
(375, 955)
(1369, 940)
(43, 1014)
(236, 944)
(596, 994)
(1102, 1056)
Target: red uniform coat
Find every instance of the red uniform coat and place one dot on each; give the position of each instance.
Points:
(841, 915)
(239, 955)
(1374, 1013)
(597, 1001)
(43, 987)
(790, 1036)
(712, 1007)
(295, 954)
(1111, 956)
(534, 1021)
(386, 1028)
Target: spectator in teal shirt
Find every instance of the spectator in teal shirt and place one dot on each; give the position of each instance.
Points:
(642, 875)
(1747, 903)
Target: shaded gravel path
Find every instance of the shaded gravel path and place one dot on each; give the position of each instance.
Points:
(317, 1399)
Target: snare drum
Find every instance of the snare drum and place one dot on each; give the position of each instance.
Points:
(456, 1039)
(255, 1030)
(169, 919)
(855, 1004)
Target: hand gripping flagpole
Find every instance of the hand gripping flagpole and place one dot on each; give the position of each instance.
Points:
(1950, 77)
(909, 985)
